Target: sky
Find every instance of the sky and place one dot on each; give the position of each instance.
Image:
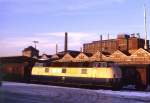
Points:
(23, 21)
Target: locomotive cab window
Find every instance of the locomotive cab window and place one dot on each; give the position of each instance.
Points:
(100, 64)
(83, 71)
(46, 70)
(64, 70)
(110, 65)
(103, 64)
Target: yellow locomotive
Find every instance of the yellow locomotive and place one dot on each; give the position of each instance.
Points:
(80, 73)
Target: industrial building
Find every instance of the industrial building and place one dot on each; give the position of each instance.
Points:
(124, 42)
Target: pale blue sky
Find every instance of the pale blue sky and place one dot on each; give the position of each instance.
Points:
(22, 21)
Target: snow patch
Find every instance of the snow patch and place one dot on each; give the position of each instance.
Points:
(125, 93)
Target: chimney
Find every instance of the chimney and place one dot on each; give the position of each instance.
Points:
(66, 42)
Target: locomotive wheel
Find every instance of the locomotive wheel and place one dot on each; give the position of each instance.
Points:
(117, 87)
(117, 84)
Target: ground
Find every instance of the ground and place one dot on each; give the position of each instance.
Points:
(32, 93)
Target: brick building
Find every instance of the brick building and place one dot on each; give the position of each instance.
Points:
(30, 52)
(123, 42)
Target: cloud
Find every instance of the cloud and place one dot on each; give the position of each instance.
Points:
(76, 39)
(86, 4)
(53, 7)
(47, 42)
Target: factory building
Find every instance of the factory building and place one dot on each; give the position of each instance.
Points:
(123, 42)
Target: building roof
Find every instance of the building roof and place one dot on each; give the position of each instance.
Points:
(44, 57)
(14, 59)
(126, 53)
(97, 56)
(141, 53)
(118, 54)
(73, 53)
(49, 56)
(88, 54)
(106, 53)
(30, 48)
(82, 57)
(104, 40)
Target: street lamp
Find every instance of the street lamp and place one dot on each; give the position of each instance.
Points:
(35, 42)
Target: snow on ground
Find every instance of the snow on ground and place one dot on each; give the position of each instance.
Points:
(122, 93)
(126, 93)
(33, 93)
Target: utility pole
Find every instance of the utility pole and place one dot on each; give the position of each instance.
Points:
(81, 50)
(35, 42)
(108, 36)
(56, 48)
(145, 25)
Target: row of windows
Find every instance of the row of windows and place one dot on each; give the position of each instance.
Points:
(96, 64)
(76, 64)
(83, 71)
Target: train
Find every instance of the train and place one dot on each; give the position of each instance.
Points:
(102, 73)
(96, 73)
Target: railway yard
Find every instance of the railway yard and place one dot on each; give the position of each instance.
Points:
(108, 68)
(126, 65)
(36, 93)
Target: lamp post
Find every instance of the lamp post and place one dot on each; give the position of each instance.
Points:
(35, 42)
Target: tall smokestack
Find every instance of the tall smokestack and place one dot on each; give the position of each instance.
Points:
(145, 26)
(66, 42)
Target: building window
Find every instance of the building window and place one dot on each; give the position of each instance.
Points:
(84, 71)
(46, 70)
(64, 70)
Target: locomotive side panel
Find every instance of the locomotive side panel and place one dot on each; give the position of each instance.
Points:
(92, 76)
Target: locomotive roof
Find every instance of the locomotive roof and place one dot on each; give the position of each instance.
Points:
(84, 62)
